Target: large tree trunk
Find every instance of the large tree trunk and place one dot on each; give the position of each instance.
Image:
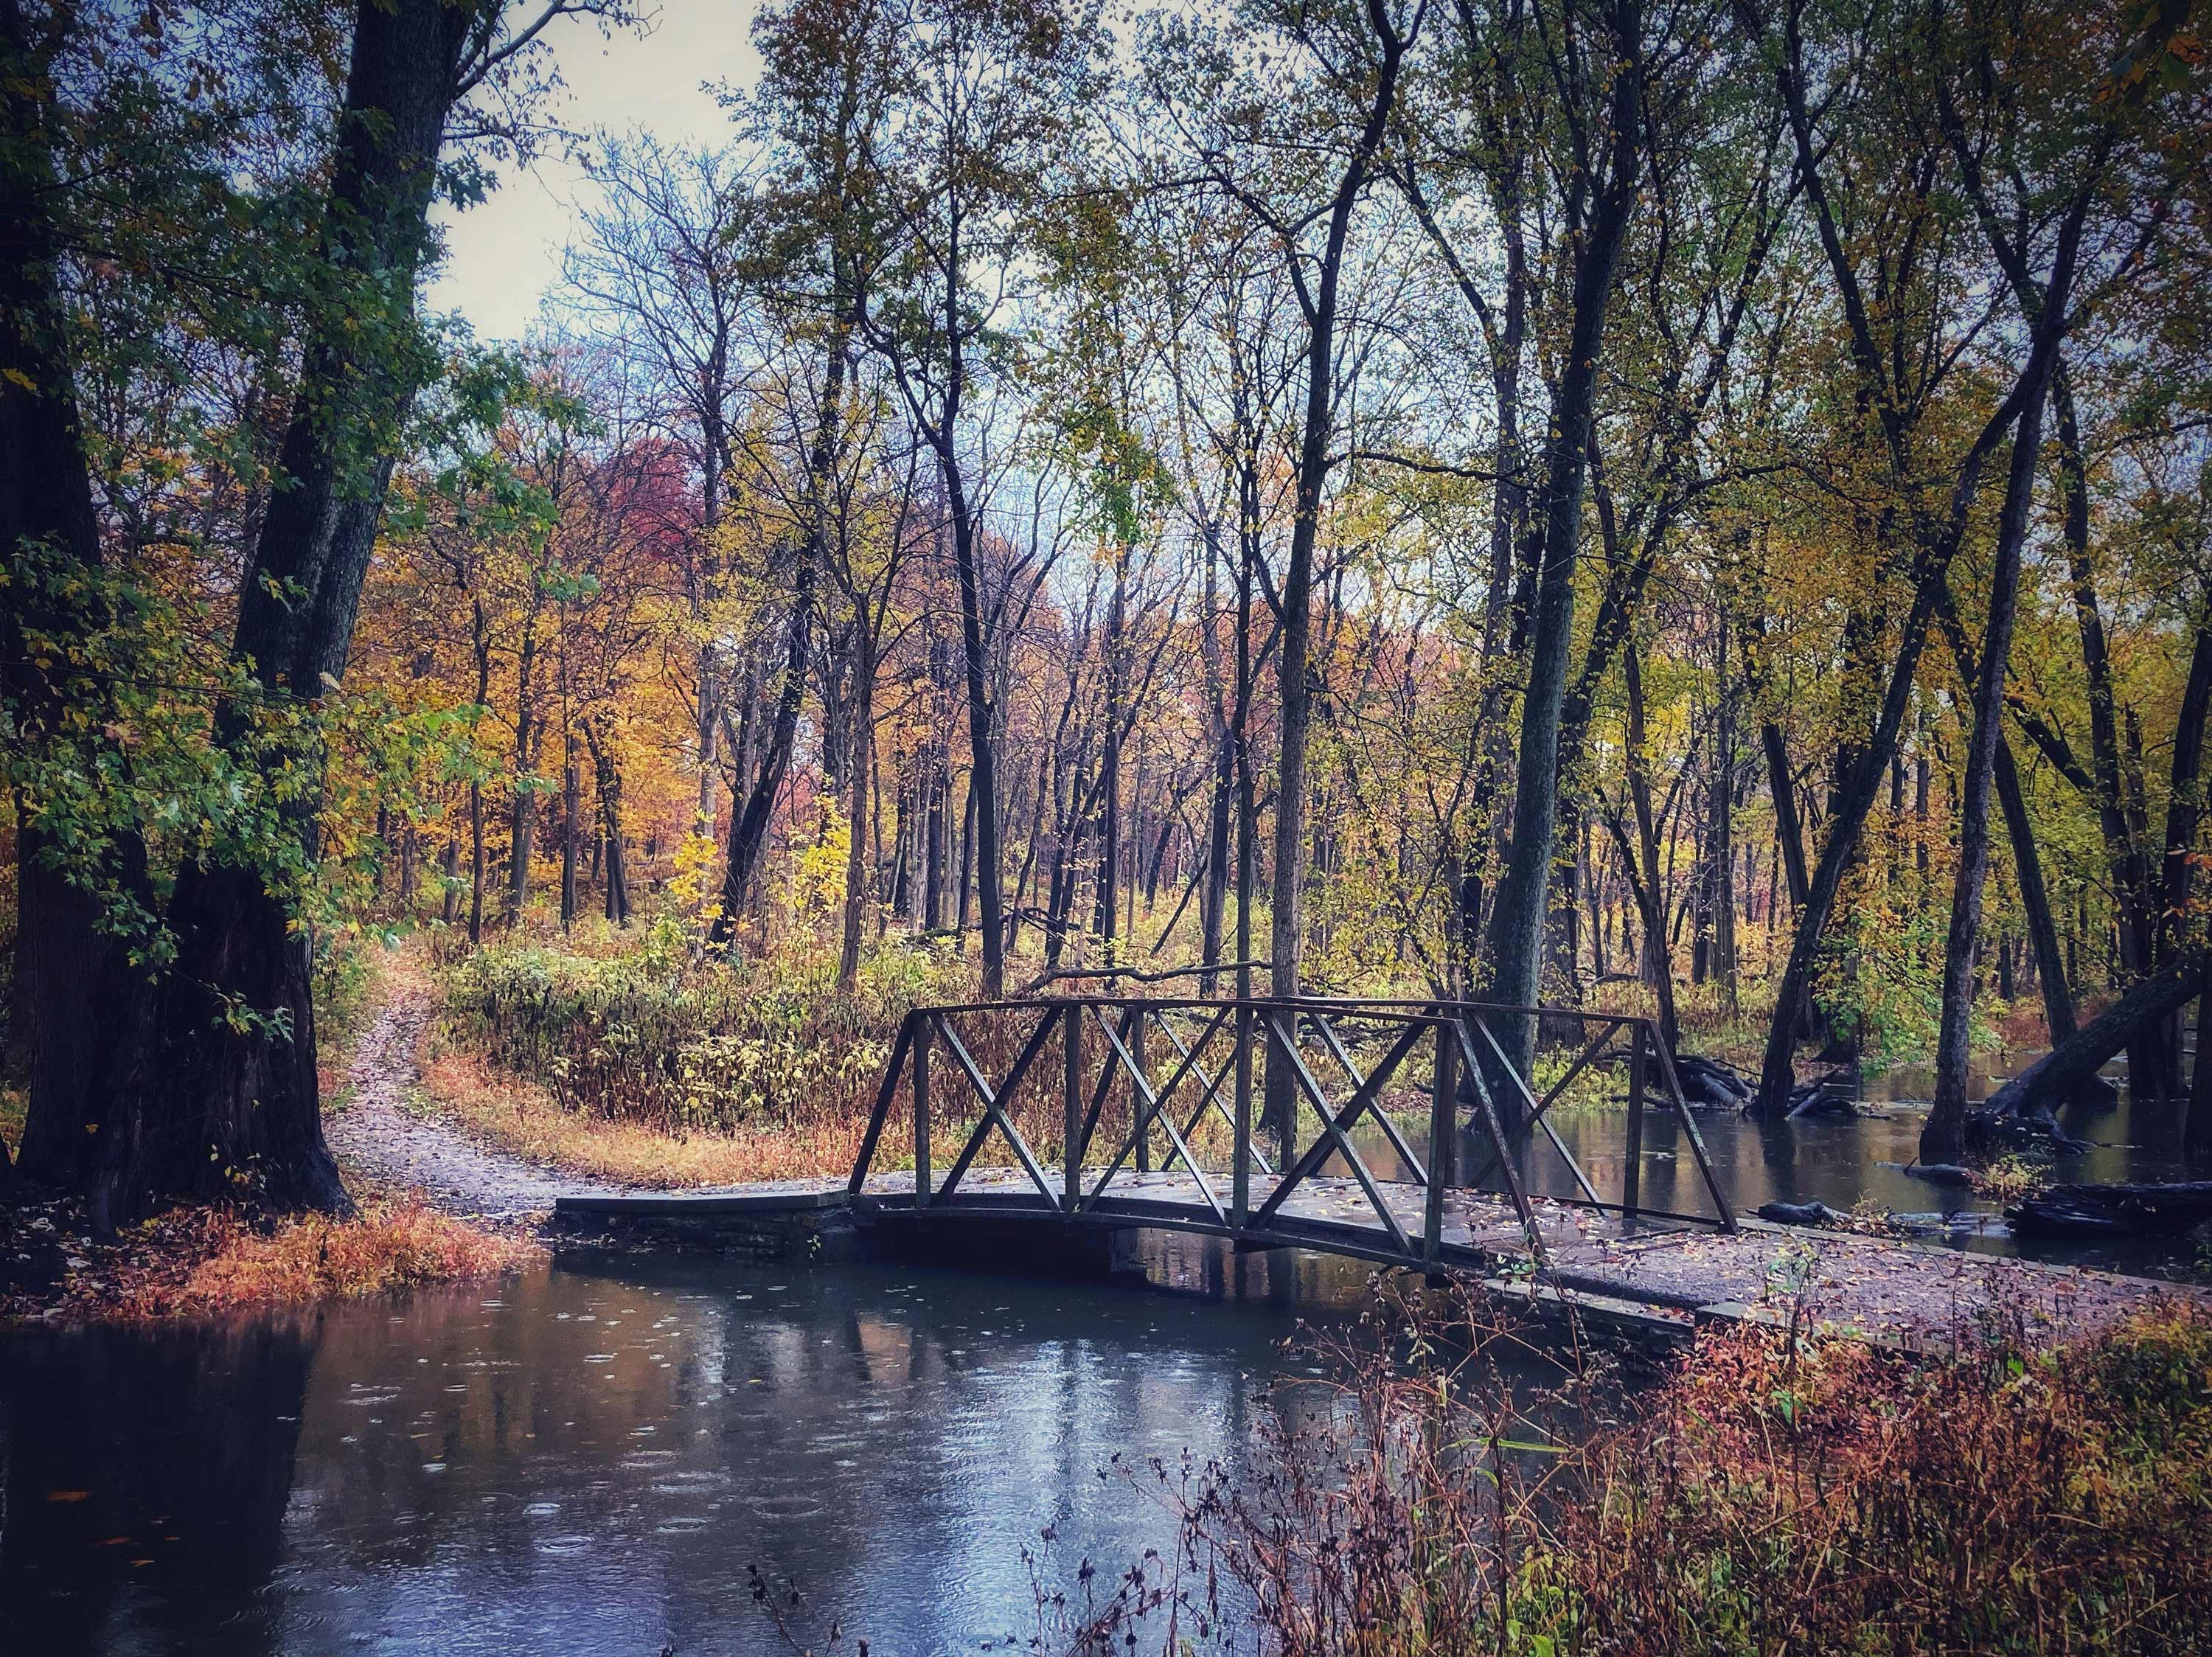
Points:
(80, 1019)
(238, 1014)
(1943, 1138)
(2185, 809)
(2127, 861)
(1517, 918)
(2196, 1132)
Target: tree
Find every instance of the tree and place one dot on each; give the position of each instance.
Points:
(232, 1094)
(994, 90)
(1601, 201)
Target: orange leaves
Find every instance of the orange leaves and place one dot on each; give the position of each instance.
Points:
(194, 1260)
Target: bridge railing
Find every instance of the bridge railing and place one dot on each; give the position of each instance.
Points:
(1173, 1084)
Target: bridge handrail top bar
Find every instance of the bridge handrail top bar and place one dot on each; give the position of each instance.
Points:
(1424, 1008)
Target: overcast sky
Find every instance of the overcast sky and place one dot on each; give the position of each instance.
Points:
(502, 255)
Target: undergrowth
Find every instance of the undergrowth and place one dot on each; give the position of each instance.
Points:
(658, 1039)
(1771, 1495)
(191, 1260)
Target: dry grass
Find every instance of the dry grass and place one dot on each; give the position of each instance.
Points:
(519, 1116)
(387, 1247)
(1772, 1495)
(189, 1261)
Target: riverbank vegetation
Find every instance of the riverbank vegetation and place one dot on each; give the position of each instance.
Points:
(195, 1260)
(1768, 1494)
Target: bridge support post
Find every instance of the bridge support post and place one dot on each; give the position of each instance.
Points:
(921, 1036)
(1139, 1083)
(1071, 1036)
(1443, 1100)
(1632, 1177)
(1240, 1147)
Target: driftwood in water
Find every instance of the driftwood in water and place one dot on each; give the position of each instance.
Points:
(1708, 1082)
(1818, 1098)
(1798, 1213)
(2060, 1074)
(1940, 1174)
(2179, 1207)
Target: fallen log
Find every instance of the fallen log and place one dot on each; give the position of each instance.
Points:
(2167, 1208)
(2060, 1074)
(1708, 1082)
(1940, 1173)
(1819, 1098)
(1797, 1214)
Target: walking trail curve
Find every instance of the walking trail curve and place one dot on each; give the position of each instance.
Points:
(376, 1136)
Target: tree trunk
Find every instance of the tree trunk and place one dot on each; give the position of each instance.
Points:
(571, 800)
(2126, 859)
(2059, 1074)
(1943, 1138)
(80, 1021)
(1658, 966)
(2196, 1132)
(748, 822)
(2051, 975)
(1287, 920)
(857, 892)
(967, 870)
(477, 871)
(242, 1090)
(522, 805)
(1517, 918)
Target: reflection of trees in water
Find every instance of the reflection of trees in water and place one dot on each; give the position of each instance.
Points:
(891, 1437)
(181, 1442)
(884, 1435)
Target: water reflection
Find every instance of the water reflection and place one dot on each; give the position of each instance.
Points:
(146, 1482)
(587, 1460)
(1845, 1160)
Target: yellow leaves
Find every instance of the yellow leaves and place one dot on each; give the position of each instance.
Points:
(818, 876)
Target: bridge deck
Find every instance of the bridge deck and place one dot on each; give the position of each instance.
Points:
(1880, 1288)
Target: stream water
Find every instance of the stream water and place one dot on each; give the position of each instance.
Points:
(588, 1458)
(1845, 1161)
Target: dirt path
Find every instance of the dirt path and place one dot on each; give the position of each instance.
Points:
(378, 1137)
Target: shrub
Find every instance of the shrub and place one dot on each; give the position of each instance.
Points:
(683, 1045)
